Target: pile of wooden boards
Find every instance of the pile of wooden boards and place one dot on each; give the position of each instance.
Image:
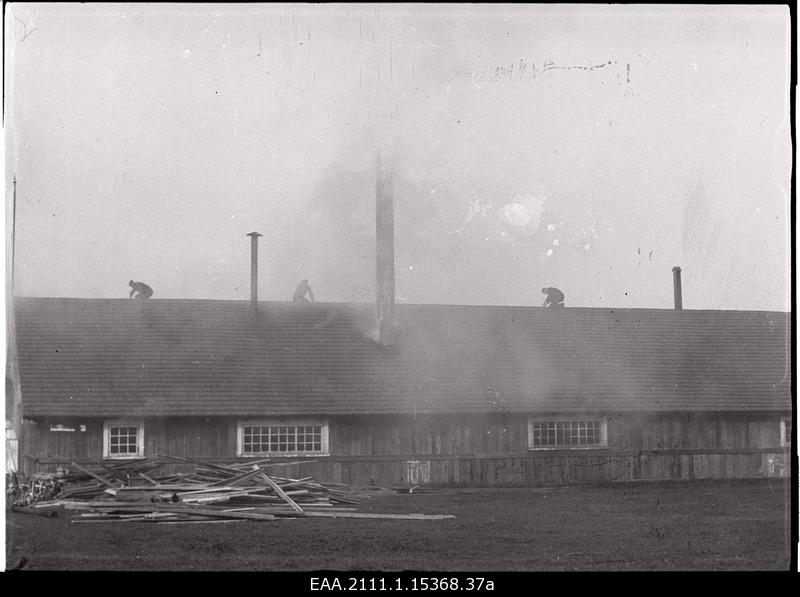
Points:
(133, 492)
(29, 491)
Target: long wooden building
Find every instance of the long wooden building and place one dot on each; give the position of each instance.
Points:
(464, 395)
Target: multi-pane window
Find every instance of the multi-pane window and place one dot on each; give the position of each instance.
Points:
(123, 439)
(282, 438)
(786, 432)
(567, 433)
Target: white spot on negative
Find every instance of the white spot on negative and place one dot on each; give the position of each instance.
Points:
(549, 252)
(515, 214)
(555, 242)
(523, 211)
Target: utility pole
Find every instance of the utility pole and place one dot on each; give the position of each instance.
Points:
(12, 371)
(13, 232)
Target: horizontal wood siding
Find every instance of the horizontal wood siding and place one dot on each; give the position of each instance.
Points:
(489, 450)
(429, 435)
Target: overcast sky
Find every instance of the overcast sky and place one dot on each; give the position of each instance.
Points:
(590, 148)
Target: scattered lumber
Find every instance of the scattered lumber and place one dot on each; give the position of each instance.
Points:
(202, 512)
(280, 492)
(46, 512)
(133, 491)
(143, 496)
(376, 515)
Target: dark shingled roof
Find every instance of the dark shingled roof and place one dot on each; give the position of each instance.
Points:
(102, 357)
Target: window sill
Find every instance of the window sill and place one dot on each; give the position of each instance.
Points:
(567, 448)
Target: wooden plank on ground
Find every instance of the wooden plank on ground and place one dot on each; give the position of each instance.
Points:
(225, 469)
(207, 521)
(281, 493)
(224, 497)
(195, 511)
(204, 489)
(148, 479)
(183, 488)
(91, 474)
(239, 479)
(330, 514)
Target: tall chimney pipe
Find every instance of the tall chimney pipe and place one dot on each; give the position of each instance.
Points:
(254, 270)
(384, 253)
(676, 279)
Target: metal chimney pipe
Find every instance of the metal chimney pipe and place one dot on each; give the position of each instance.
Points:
(676, 280)
(254, 270)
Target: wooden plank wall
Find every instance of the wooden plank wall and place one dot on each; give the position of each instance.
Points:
(464, 450)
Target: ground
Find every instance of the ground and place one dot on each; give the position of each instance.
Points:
(701, 525)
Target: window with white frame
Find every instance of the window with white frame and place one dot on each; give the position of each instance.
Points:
(123, 439)
(786, 432)
(282, 438)
(567, 433)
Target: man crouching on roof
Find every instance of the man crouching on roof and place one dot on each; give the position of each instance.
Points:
(143, 290)
(555, 298)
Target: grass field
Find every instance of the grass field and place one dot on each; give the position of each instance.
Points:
(710, 525)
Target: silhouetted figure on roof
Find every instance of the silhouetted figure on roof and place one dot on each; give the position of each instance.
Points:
(299, 295)
(140, 289)
(555, 298)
